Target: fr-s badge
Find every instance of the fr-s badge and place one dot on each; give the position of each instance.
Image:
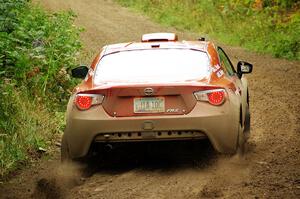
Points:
(172, 110)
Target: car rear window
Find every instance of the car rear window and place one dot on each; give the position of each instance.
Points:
(153, 65)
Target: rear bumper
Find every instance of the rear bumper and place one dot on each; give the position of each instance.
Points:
(218, 124)
(149, 136)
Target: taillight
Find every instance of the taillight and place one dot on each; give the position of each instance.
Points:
(85, 101)
(215, 97)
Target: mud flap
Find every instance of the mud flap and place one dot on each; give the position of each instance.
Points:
(241, 142)
(64, 151)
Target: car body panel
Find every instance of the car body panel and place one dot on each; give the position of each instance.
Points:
(177, 96)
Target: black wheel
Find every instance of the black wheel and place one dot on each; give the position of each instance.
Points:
(247, 123)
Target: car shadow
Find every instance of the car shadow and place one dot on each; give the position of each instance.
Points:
(151, 156)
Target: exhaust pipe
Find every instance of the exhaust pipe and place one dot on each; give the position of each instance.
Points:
(108, 147)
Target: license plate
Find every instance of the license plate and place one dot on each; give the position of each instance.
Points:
(149, 105)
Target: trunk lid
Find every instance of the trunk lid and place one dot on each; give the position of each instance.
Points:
(148, 99)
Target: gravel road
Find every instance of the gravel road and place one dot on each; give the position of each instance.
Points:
(270, 168)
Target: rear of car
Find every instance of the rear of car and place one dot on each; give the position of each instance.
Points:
(151, 94)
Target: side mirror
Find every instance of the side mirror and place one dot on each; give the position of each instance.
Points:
(80, 72)
(243, 68)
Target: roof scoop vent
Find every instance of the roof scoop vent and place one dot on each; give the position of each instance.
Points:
(159, 37)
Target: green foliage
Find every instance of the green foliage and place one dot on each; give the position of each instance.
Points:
(10, 10)
(25, 127)
(36, 50)
(39, 51)
(268, 26)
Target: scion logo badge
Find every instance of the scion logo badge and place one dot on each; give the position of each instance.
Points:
(148, 91)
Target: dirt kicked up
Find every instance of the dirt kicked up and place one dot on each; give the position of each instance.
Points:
(270, 168)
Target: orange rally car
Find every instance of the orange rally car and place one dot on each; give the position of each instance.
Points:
(159, 89)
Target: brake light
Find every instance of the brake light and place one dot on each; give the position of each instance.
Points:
(215, 97)
(83, 102)
(86, 101)
(159, 37)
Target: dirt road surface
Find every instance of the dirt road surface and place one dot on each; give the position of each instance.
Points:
(270, 169)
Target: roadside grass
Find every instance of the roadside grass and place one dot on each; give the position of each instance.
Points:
(36, 51)
(264, 26)
(27, 128)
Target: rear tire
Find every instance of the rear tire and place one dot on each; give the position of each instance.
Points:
(247, 123)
